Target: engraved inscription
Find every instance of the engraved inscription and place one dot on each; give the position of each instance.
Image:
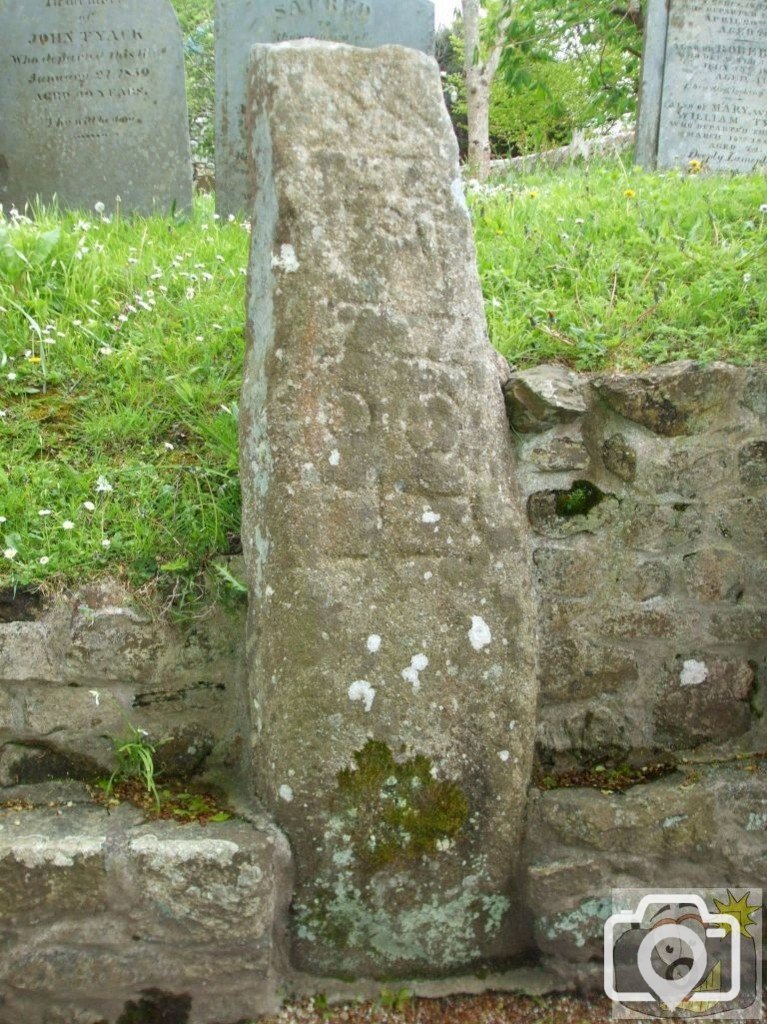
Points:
(715, 87)
(82, 67)
(92, 103)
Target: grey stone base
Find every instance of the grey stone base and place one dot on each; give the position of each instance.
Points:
(104, 915)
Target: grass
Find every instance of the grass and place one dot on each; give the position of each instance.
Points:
(121, 347)
(612, 267)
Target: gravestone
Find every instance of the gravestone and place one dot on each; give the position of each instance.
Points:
(390, 640)
(241, 23)
(93, 105)
(704, 85)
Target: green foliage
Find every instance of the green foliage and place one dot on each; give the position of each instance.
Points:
(396, 811)
(566, 67)
(396, 1000)
(121, 348)
(192, 807)
(579, 500)
(196, 21)
(135, 762)
(609, 267)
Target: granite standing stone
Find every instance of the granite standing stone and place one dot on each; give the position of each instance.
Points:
(704, 85)
(390, 644)
(241, 23)
(93, 105)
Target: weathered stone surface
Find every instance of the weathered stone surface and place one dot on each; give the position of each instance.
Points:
(93, 105)
(696, 830)
(752, 459)
(665, 564)
(391, 657)
(704, 85)
(681, 398)
(539, 398)
(703, 700)
(560, 453)
(69, 912)
(95, 660)
(619, 457)
(242, 23)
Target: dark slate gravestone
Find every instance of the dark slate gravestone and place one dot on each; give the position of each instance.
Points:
(93, 104)
(242, 23)
(704, 85)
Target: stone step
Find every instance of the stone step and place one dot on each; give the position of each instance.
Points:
(108, 918)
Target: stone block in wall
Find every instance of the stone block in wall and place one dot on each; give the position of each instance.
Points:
(560, 453)
(27, 652)
(681, 398)
(610, 727)
(677, 470)
(716, 574)
(539, 398)
(191, 917)
(752, 463)
(110, 637)
(94, 662)
(577, 668)
(742, 522)
(739, 625)
(619, 457)
(705, 827)
(703, 700)
(581, 508)
(661, 528)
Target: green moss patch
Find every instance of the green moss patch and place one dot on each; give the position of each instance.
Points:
(396, 812)
(578, 500)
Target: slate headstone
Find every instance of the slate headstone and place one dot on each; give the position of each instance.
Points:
(391, 655)
(242, 23)
(93, 105)
(704, 85)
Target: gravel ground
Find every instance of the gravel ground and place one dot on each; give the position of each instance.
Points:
(488, 1009)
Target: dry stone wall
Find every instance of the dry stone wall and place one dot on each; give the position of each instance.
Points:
(77, 671)
(646, 498)
(647, 506)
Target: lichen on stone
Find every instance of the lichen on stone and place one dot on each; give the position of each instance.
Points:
(396, 812)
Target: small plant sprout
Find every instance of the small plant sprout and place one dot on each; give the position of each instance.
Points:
(135, 761)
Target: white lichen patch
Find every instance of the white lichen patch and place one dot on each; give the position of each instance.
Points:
(693, 673)
(335, 458)
(374, 643)
(757, 822)
(286, 260)
(361, 690)
(673, 820)
(163, 852)
(430, 517)
(412, 674)
(504, 755)
(479, 634)
(35, 851)
(458, 194)
(286, 794)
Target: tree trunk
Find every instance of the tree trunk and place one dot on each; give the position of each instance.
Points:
(479, 79)
(478, 109)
